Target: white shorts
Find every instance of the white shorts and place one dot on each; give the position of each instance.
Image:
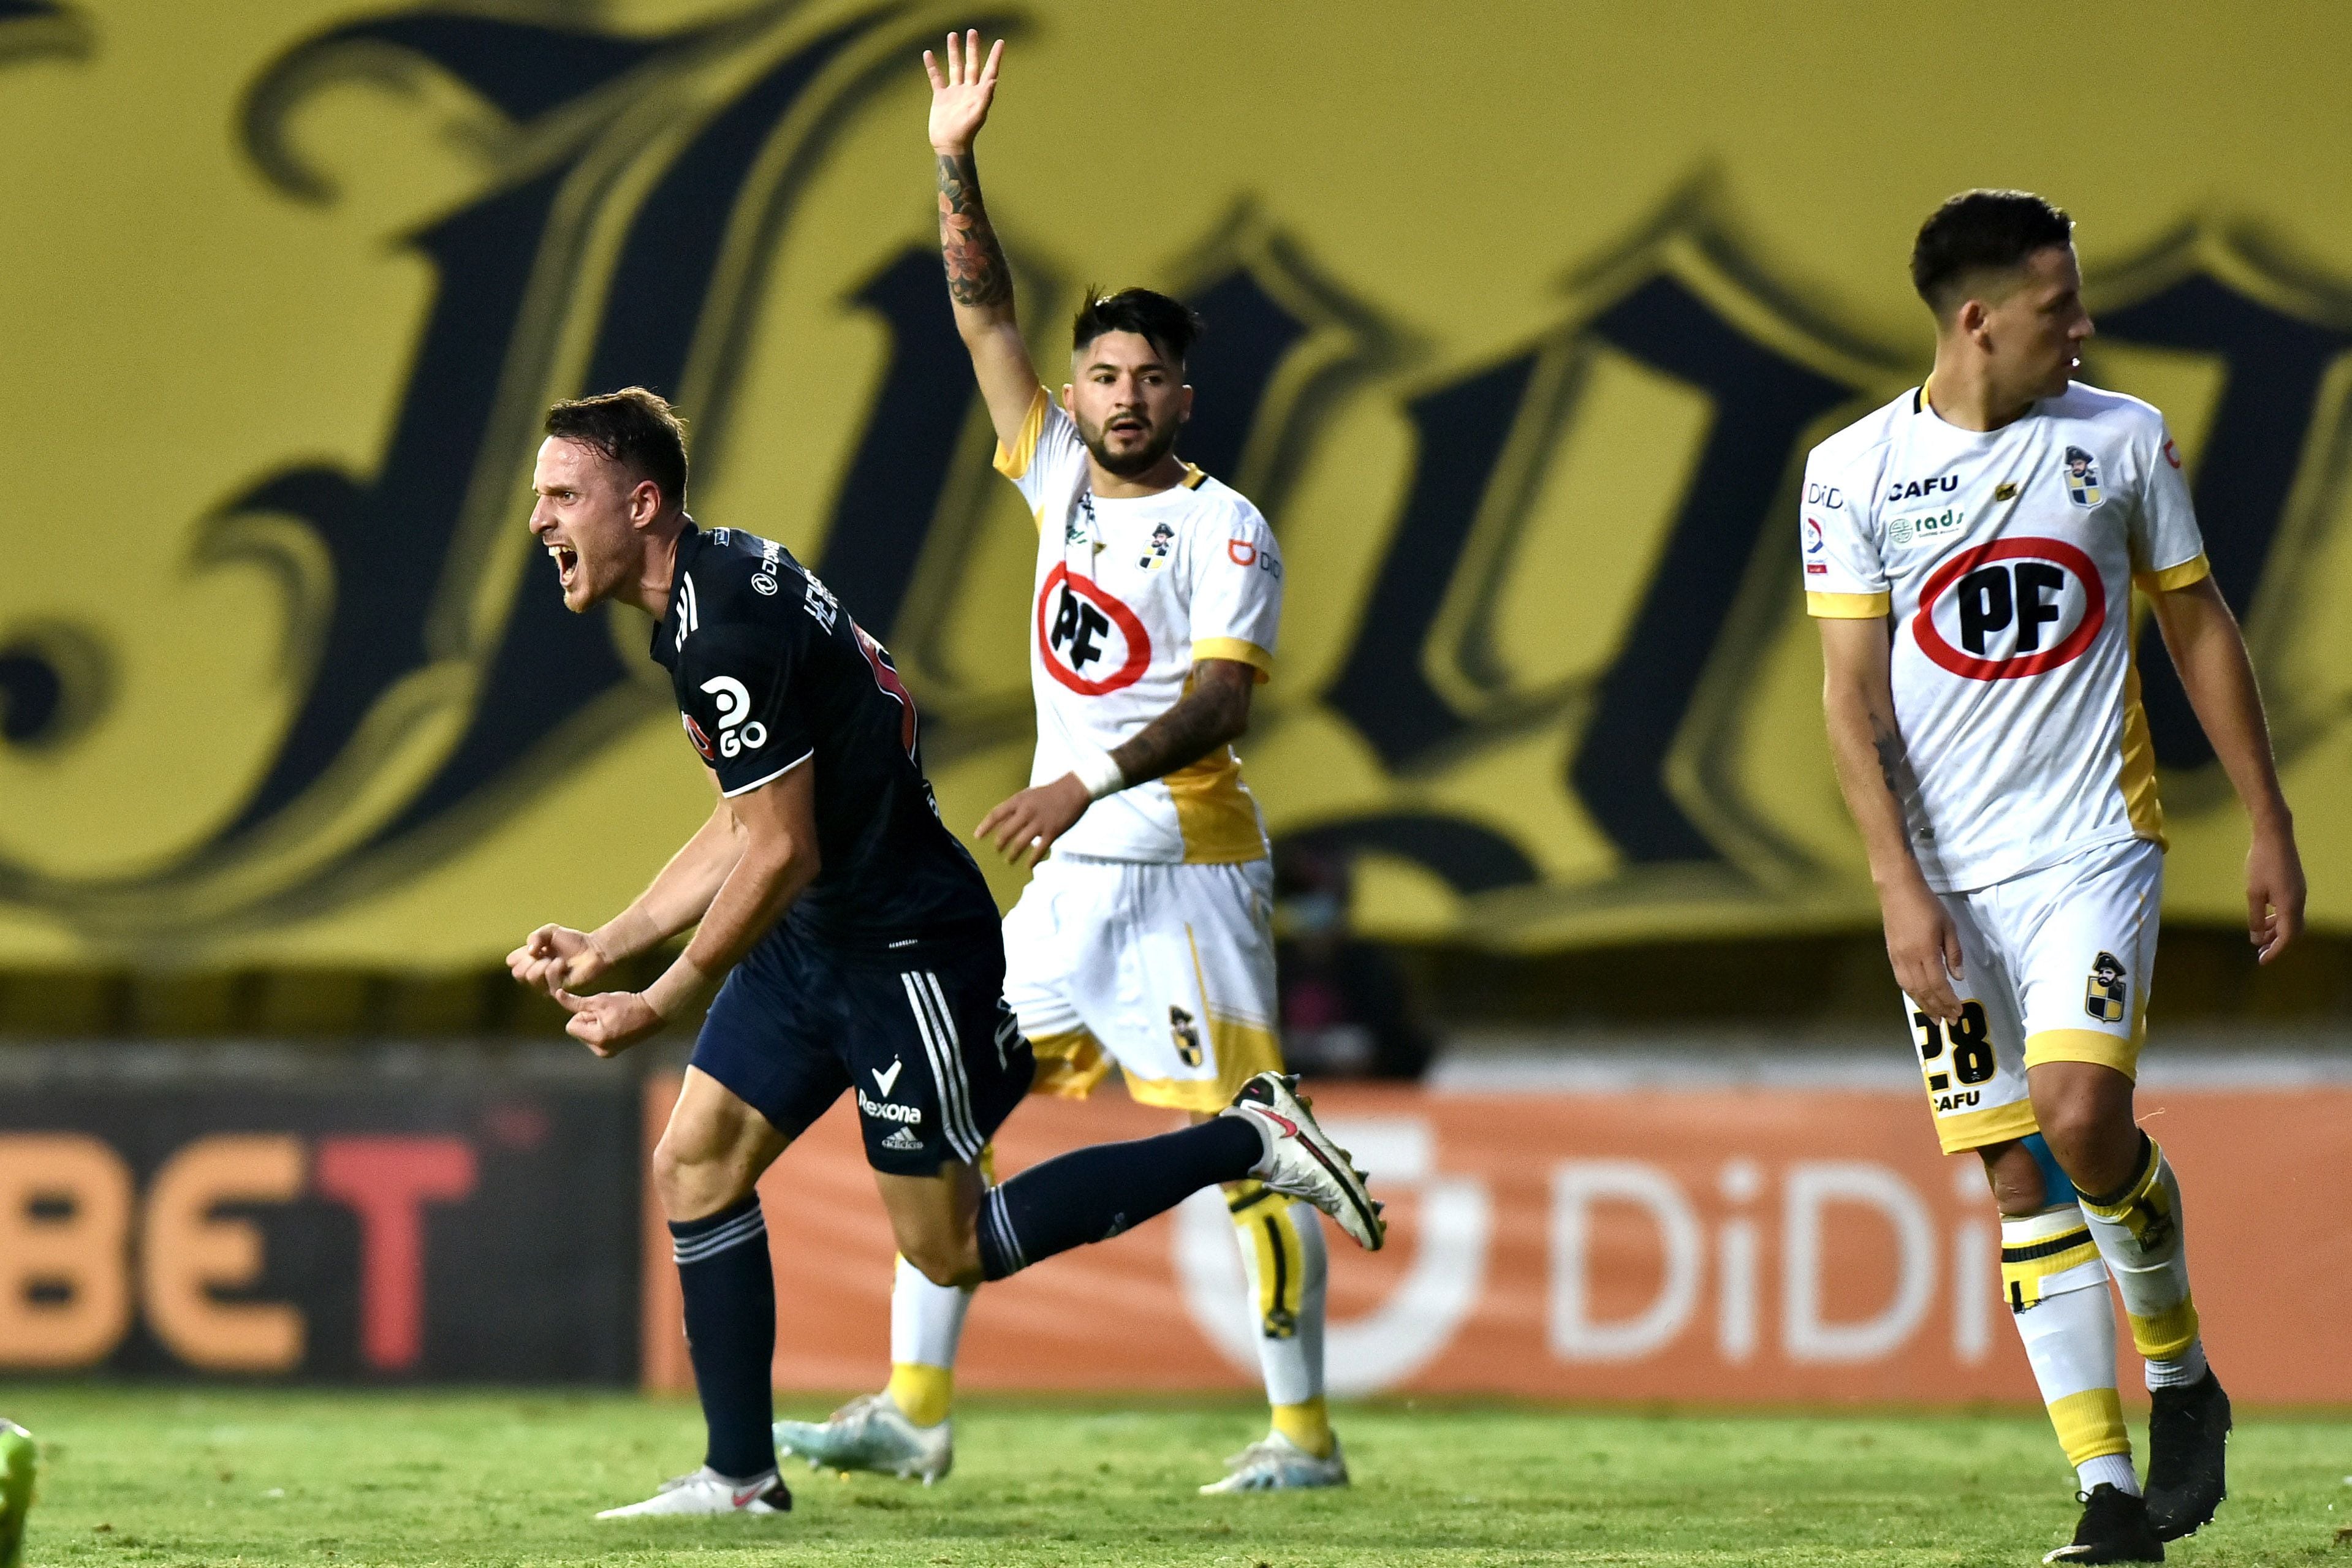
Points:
(2058, 962)
(1167, 970)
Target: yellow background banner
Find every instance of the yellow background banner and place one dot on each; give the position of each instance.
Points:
(1518, 331)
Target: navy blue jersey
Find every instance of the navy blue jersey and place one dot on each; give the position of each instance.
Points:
(770, 673)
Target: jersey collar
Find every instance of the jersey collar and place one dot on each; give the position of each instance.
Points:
(664, 643)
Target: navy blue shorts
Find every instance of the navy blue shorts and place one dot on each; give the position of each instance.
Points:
(922, 1033)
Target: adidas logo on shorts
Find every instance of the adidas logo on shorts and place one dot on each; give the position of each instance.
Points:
(903, 1138)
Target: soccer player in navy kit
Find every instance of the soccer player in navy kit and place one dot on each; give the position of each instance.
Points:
(858, 944)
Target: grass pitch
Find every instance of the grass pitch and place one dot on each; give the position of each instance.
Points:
(170, 1476)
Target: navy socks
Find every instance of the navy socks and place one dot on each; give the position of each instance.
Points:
(731, 1332)
(1092, 1195)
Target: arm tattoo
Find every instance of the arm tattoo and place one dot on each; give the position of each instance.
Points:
(977, 273)
(1889, 747)
(1212, 713)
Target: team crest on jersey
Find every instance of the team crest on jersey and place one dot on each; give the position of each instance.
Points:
(1162, 537)
(1187, 1035)
(2082, 478)
(2104, 998)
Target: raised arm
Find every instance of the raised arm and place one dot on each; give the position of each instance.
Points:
(1858, 701)
(979, 283)
(2208, 650)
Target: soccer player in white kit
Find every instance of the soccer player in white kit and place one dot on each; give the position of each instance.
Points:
(1971, 551)
(1144, 939)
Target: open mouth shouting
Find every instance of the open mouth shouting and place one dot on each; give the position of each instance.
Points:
(567, 563)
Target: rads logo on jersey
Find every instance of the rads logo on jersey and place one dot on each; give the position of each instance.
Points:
(2012, 608)
(1091, 642)
(2082, 478)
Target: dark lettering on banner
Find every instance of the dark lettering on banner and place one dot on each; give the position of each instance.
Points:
(1247, 334)
(491, 1231)
(2252, 454)
(1459, 433)
(1762, 402)
(889, 498)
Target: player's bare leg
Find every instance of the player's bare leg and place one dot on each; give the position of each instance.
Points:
(705, 1169)
(2132, 1201)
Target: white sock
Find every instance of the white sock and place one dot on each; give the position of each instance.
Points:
(2180, 1371)
(926, 1320)
(2056, 1285)
(2140, 1234)
(1283, 1260)
(2108, 1469)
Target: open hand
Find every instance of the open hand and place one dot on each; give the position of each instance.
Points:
(611, 1021)
(960, 99)
(1024, 827)
(1924, 946)
(558, 958)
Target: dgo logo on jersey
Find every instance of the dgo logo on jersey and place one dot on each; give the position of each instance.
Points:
(1091, 643)
(735, 736)
(2011, 608)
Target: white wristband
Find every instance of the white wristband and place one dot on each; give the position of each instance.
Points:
(1101, 773)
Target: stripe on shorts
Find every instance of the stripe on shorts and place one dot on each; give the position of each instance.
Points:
(945, 1054)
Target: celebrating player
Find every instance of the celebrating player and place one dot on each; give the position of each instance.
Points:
(1970, 550)
(858, 943)
(1144, 939)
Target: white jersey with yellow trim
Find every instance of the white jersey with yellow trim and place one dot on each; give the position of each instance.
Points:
(1128, 593)
(2007, 559)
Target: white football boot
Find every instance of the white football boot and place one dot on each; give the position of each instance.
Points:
(1275, 1463)
(707, 1491)
(1301, 1161)
(871, 1433)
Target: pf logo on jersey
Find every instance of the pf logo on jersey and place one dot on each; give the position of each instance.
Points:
(1090, 641)
(2082, 478)
(2011, 608)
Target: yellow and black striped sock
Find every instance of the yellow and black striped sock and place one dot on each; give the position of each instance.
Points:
(2054, 1282)
(2140, 1233)
(1282, 1252)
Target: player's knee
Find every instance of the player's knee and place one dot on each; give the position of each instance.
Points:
(2019, 1186)
(689, 1184)
(2092, 1143)
(952, 1261)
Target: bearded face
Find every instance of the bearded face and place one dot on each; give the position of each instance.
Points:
(1128, 402)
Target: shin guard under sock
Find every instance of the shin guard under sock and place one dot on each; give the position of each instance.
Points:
(2140, 1233)
(1093, 1194)
(731, 1332)
(1283, 1260)
(2056, 1285)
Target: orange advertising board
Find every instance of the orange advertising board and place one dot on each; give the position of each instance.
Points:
(1708, 1246)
